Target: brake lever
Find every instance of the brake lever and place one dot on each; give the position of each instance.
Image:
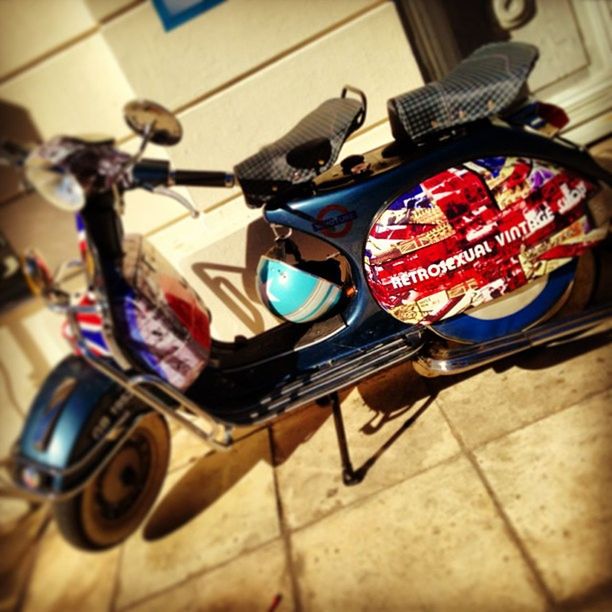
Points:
(162, 190)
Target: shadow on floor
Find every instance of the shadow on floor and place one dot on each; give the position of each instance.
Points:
(213, 475)
(18, 548)
(398, 394)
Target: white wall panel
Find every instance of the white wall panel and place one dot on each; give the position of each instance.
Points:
(25, 357)
(216, 47)
(102, 9)
(77, 91)
(31, 221)
(144, 211)
(31, 28)
(555, 32)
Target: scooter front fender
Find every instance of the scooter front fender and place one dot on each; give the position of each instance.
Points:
(71, 415)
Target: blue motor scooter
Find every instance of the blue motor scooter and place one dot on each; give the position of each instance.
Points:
(452, 246)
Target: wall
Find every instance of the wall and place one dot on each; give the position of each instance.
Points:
(574, 69)
(238, 76)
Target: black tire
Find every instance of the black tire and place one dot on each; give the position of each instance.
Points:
(112, 505)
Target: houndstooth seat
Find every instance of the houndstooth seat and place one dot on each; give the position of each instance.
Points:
(311, 147)
(486, 83)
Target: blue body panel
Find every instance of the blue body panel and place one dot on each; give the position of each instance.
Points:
(62, 422)
(361, 201)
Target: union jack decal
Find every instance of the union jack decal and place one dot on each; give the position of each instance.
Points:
(90, 323)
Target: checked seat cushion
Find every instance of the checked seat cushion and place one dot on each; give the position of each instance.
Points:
(486, 83)
(320, 136)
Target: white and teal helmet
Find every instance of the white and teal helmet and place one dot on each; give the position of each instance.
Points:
(293, 293)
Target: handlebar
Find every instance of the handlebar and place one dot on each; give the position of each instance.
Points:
(69, 171)
(155, 172)
(202, 178)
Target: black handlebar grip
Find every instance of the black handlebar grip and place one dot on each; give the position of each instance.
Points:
(202, 178)
(151, 172)
(154, 172)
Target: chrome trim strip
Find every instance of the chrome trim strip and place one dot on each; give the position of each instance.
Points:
(444, 361)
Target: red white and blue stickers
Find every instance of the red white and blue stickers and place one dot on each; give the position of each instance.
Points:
(474, 233)
(90, 323)
(167, 324)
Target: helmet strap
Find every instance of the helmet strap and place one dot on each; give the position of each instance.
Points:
(284, 247)
(292, 249)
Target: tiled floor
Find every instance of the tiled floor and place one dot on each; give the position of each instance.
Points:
(488, 491)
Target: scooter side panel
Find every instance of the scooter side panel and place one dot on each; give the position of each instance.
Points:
(474, 233)
(161, 322)
(363, 199)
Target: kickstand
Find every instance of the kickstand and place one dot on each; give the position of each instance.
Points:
(349, 475)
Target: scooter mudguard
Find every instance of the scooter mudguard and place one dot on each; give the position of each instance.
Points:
(73, 410)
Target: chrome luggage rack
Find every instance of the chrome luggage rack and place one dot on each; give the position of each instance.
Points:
(218, 435)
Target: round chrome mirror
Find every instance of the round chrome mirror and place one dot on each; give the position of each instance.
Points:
(60, 188)
(153, 121)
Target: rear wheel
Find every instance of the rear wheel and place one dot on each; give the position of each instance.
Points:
(116, 501)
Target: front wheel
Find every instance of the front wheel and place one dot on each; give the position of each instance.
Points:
(116, 501)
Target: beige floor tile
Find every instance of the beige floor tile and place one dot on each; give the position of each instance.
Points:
(17, 553)
(67, 579)
(434, 542)
(209, 513)
(187, 448)
(601, 602)
(554, 481)
(11, 510)
(309, 472)
(490, 403)
(254, 581)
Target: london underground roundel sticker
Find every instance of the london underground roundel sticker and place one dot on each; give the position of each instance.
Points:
(474, 233)
(334, 221)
